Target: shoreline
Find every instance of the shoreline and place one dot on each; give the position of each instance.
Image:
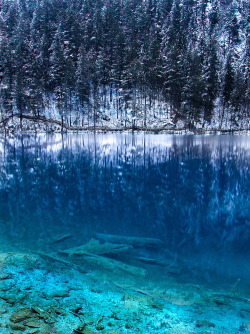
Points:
(21, 124)
(11, 131)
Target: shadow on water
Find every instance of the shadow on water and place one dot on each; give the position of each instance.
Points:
(191, 192)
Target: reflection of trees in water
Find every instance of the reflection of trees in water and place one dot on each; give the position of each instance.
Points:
(188, 192)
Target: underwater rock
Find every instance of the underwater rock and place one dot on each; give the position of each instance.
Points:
(61, 294)
(18, 327)
(21, 314)
(4, 257)
(33, 331)
(204, 323)
(245, 313)
(111, 324)
(135, 301)
(11, 300)
(47, 318)
(117, 315)
(8, 299)
(5, 287)
(88, 320)
(99, 327)
(133, 241)
(18, 259)
(245, 327)
(34, 323)
(57, 310)
(128, 325)
(5, 276)
(3, 310)
(84, 330)
(220, 301)
(77, 309)
(183, 331)
(81, 327)
(96, 290)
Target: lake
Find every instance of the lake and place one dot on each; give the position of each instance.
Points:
(190, 192)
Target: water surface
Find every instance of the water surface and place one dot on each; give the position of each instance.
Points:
(192, 192)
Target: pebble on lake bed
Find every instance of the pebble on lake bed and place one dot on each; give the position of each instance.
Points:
(17, 326)
(3, 310)
(21, 314)
(99, 327)
(245, 327)
(204, 323)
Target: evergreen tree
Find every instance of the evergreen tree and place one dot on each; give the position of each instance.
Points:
(71, 53)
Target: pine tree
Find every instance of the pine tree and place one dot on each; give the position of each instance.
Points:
(228, 82)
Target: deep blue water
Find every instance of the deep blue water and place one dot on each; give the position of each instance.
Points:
(192, 192)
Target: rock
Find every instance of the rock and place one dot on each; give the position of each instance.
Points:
(181, 331)
(58, 311)
(5, 276)
(128, 325)
(18, 327)
(47, 318)
(88, 320)
(21, 314)
(220, 301)
(99, 327)
(77, 310)
(111, 324)
(11, 300)
(96, 290)
(61, 294)
(117, 315)
(5, 287)
(204, 323)
(19, 260)
(134, 300)
(33, 331)
(3, 310)
(80, 328)
(245, 327)
(85, 330)
(245, 314)
(33, 323)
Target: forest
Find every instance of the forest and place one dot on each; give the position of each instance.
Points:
(131, 63)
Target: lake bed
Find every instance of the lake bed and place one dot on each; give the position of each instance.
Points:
(66, 199)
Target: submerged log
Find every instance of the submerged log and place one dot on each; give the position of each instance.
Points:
(95, 247)
(133, 241)
(59, 238)
(53, 258)
(107, 264)
(151, 261)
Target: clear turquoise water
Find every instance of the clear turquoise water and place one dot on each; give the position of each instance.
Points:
(192, 192)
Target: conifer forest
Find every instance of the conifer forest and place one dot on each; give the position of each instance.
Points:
(131, 63)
